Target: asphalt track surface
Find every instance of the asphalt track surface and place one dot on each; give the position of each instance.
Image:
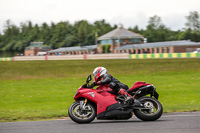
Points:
(188, 122)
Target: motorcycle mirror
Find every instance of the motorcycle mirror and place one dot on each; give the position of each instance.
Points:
(89, 78)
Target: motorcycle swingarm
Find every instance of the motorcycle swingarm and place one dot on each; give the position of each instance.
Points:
(132, 107)
(141, 108)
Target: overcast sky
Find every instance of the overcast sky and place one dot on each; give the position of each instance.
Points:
(127, 12)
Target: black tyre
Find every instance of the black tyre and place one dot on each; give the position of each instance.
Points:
(153, 112)
(82, 116)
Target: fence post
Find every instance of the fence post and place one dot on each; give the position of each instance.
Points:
(46, 57)
(84, 56)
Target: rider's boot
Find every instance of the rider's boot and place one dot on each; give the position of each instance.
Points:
(128, 98)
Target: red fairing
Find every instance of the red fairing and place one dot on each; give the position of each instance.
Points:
(100, 96)
(104, 88)
(138, 84)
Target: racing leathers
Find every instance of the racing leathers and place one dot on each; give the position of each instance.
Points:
(115, 85)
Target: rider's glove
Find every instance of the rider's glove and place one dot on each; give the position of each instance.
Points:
(98, 83)
(94, 84)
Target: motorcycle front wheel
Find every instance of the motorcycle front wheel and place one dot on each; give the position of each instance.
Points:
(153, 112)
(79, 115)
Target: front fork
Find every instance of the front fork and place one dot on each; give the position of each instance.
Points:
(82, 104)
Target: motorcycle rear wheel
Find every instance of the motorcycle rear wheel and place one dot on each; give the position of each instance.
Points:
(149, 114)
(82, 116)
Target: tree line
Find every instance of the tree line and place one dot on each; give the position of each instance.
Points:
(63, 34)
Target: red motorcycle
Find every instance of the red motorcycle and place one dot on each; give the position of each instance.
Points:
(105, 105)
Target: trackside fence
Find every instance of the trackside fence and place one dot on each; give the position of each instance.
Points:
(103, 56)
(164, 55)
(6, 59)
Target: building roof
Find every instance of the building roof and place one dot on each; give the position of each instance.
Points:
(159, 44)
(38, 45)
(128, 46)
(120, 33)
(77, 48)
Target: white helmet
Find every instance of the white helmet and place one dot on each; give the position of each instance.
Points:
(98, 72)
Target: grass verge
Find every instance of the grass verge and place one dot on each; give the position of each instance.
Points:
(32, 90)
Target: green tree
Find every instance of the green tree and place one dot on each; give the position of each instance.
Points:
(69, 41)
(102, 27)
(60, 31)
(154, 22)
(107, 48)
(135, 29)
(189, 35)
(103, 48)
(83, 29)
(45, 33)
(156, 31)
(193, 21)
(185, 35)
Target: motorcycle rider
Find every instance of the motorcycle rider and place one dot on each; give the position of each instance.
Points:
(101, 76)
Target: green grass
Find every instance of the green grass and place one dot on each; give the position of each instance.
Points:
(45, 89)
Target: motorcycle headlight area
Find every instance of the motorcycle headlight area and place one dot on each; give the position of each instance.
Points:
(76, 93)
